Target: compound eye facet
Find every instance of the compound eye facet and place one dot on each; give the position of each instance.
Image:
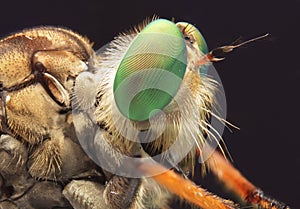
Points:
(190, 32)
(151, 71)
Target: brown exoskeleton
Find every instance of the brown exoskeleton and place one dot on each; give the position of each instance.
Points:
(42, 75)
(37, 70)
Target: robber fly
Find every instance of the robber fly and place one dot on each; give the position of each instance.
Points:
(118, 128)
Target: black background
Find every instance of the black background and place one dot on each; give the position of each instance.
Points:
(261, 81)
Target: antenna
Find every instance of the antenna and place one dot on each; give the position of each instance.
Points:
(219, 53)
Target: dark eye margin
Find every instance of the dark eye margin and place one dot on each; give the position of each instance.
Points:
(189, 38)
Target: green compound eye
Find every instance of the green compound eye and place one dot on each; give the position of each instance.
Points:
(151, 71)
(190, 30)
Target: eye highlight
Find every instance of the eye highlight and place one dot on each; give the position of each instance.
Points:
(192, 34)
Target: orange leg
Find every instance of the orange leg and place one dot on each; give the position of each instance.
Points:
(185, 188)
(225, 171)
(235, 181)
